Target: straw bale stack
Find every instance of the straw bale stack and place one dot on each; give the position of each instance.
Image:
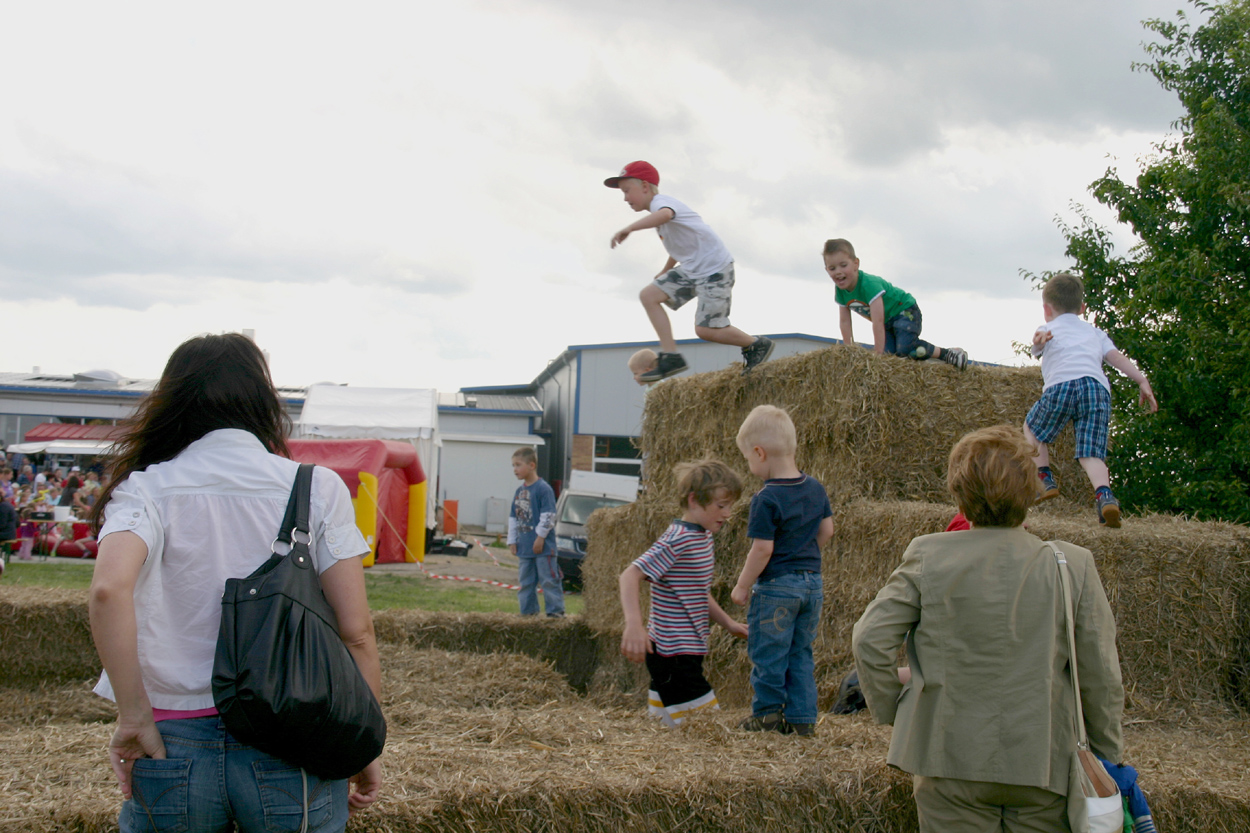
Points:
(1179, 590)
(496, 740)
(869, 426)
(45, 636)
(567, 643)
(573, 767)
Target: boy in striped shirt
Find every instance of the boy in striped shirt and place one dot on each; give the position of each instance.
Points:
(679, 567)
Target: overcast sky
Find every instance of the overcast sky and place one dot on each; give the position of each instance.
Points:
(410, 194)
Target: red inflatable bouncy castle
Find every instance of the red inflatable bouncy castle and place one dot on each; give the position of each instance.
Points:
(388, 489)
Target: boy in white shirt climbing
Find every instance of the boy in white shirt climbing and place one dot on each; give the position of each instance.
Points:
(1075, 389)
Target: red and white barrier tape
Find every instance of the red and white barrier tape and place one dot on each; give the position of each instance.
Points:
(488, 552)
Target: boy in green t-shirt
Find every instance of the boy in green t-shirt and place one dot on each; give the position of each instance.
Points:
(894, 313)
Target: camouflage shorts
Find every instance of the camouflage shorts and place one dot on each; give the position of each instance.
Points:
(714, 293)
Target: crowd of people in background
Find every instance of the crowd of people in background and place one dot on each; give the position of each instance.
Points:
(29, 495)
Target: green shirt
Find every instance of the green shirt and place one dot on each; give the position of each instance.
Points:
(868, 289)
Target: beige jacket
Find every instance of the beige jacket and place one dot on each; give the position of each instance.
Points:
(990, 698)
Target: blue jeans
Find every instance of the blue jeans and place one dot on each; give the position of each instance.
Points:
(209, 780)
(545, 570)
(902, 335)
(781, 623)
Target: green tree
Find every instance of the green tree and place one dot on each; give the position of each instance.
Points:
(1178, 302)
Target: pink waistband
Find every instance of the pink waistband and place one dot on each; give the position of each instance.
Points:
(182, 714)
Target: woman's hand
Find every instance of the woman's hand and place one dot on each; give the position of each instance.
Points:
(130, 741)
(366, 785)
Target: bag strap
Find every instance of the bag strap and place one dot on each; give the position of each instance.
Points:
(1065, 591)
(298, 506)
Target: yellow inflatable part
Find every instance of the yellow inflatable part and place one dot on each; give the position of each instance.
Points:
(416, 522)
(366, 504)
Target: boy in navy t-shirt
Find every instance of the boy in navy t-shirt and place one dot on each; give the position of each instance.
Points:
(679, 567)
(530, 524)
(790, 521)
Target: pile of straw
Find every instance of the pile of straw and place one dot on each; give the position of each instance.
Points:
(567, 644)
(869, 426)
(46, 636)
(498, 743)
(1178, 589)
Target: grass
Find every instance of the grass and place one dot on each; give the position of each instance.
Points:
(51, 574)
(387, 591)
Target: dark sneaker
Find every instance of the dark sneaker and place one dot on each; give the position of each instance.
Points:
(850, 698)
(666, 364)
(1049, 488)
(771, 722)
(756, 354)
(955, 356)
(803, 730)
(1108, 510)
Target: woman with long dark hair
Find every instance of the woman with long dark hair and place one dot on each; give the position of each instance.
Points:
(198, 490)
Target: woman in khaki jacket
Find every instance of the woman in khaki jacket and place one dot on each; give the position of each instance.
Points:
(985, 724)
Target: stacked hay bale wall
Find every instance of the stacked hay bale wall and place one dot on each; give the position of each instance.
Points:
(869, 426)
(1179, 589)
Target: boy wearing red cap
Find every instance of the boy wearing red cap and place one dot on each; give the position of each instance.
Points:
(698, 265)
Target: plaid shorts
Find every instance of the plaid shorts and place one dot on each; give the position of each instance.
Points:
(714, 293)
(1083, 401)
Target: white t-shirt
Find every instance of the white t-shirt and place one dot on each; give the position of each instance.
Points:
(690, 241)
(209, 514)
(1075, 350)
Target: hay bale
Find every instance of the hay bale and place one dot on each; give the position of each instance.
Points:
(45, 636)
(576, 768)
(414, 681)
(869, 426)
(1179, 590)
(42, 703)
(568, 643)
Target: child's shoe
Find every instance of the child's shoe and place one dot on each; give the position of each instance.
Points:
(771, 722)
(756, 354)
(1108, 508)
(666, 364)
(955, 356)
(850, 697)
(803, 730)
(1049, 488)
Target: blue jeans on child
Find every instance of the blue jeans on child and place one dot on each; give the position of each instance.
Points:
(902, 335)
(209, 779)
(533, 570)
(781, 622)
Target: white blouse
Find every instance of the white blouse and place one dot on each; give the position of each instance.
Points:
(209, 514)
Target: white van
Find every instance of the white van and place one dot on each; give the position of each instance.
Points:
(586, 492)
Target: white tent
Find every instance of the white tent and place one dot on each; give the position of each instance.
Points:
(411, 414)
(62, 447)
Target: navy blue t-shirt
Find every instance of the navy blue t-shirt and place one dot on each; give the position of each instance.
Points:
(788, 512)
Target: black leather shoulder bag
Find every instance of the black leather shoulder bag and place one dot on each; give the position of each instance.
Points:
(283, 680)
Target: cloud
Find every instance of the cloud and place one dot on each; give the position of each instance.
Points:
(887, 77)
(93, 231)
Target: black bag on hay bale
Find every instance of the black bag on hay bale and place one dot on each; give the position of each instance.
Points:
(283, 680)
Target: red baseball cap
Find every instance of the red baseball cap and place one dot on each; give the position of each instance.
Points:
(635, 170)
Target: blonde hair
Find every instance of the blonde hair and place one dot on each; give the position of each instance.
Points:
(526, 453)
(655, 189)
(644, 359)
(1064, 292)
(992, 476)
(770, 428)
(703, 479)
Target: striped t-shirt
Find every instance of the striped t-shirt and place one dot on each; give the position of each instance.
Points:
(679, 567)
